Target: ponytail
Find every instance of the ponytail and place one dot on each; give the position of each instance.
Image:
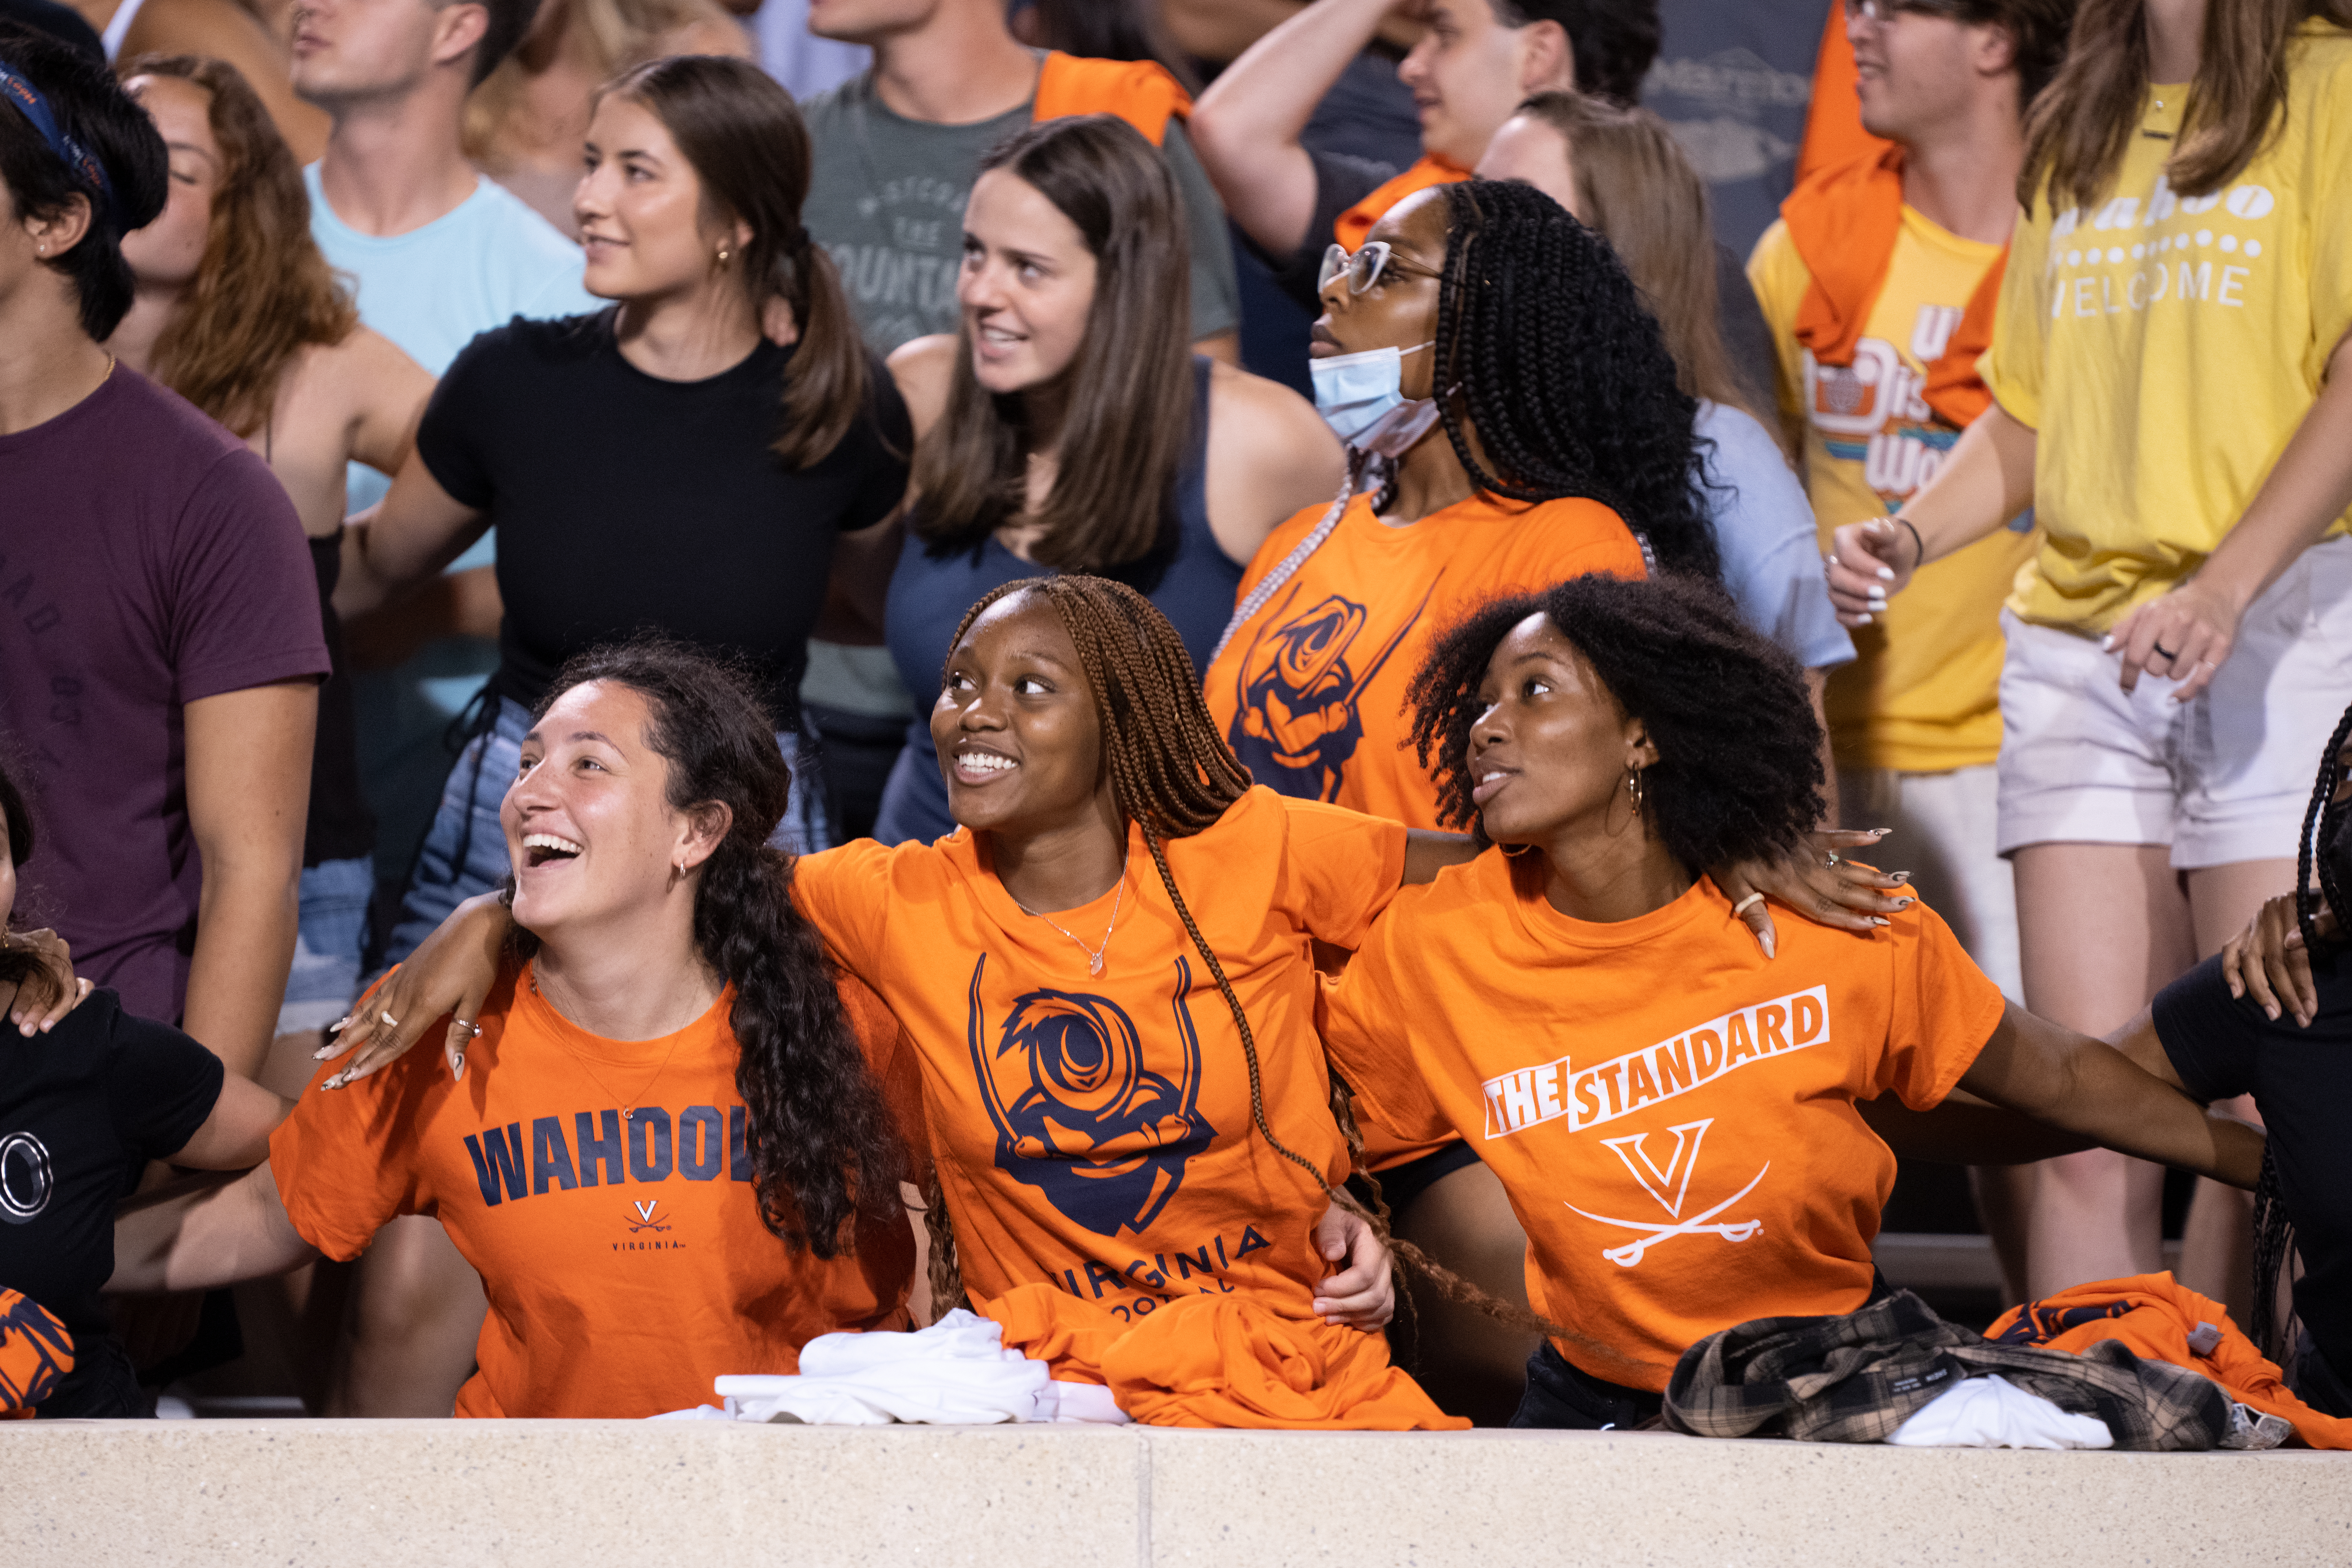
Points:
(832, 383)
(749, 148)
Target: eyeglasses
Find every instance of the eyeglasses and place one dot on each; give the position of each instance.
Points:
(1365, 267)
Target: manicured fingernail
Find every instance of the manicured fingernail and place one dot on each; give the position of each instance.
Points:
(1881, 833)
(1899, 878)
(2107, 645)
(1878, 920)
(1905, 903)
(1768, 944)
(1886, 574)
(339, 1025)
(334, 1082)
(321, 1054)
(1862, 620)
(459, 1070)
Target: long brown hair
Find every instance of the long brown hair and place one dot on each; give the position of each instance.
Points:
(2079, 127)
(263, 292)
(749, 148)
(1636, 189)
(1129, 423)
(1173, 775)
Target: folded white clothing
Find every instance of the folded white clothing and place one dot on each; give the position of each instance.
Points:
(957, 1371)
(1990, 1412)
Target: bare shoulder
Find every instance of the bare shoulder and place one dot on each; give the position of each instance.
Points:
(1266, 428)
(925, 370)
(711, 32)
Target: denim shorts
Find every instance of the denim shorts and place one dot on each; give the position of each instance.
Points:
(464, 850)
(327, 943)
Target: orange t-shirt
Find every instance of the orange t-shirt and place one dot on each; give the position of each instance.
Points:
(1351, 226)
(1310, 690)
(1726, 1175)
(1093, 1132)
(623, 1254)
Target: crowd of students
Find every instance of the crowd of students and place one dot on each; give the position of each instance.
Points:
(453, 599)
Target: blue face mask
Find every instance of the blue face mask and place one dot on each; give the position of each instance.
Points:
(1361, 396)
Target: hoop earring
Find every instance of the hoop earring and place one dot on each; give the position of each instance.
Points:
(1510, 853)
(1635, 787)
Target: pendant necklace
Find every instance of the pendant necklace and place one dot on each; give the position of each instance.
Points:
(628, 1106)
(1094, 954)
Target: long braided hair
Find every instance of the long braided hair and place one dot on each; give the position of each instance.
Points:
(1543, 340)
(2321, 854)
(1173, 775)
(823, 1148)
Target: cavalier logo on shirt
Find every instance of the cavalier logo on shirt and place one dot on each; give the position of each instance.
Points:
(1077, 1114)
(1295, 721)
(1669, 1184)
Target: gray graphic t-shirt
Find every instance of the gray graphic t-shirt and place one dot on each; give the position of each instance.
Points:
(1733, 79)
(888, 201)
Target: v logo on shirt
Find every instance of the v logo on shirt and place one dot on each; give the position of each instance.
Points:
(1676, 1174)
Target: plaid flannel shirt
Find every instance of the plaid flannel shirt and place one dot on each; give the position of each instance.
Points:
(1856, 1379)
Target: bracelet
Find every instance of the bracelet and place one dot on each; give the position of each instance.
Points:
(1921, 559)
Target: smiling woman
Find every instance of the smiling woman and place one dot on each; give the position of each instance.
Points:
(728, 372)
(735, 1192)
(1067, 426)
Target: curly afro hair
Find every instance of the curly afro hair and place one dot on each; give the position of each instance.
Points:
(1564, 372)
(1738, 771)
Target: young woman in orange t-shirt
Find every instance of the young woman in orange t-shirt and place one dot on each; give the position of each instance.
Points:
(1675, 1118)
(734, 1191)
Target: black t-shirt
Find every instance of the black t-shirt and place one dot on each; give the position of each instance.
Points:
(82, 1109)
(624, 502)
(2302, 1082)
(341, 826)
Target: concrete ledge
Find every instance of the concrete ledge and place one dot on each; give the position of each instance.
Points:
(609, 1493)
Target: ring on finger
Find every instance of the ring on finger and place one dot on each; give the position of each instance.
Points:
(1832, 861)
(389, 1022)
(1749, 902)
(473, 1030)
(2164, 652)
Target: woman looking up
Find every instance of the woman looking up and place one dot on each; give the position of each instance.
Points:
(1674, 1116)
(2172, 384)
(1067, 426)
(660, 464)
(234, 311)
(661, 975)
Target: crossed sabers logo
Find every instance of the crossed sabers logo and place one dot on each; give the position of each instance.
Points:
(644, 1220)
(1688, 1136)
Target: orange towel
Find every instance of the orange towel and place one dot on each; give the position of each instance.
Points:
(1845, 222)
(35, 1353)
(1833, 132)
(2154, 1316)
(1140, 92)
(1220, 1361)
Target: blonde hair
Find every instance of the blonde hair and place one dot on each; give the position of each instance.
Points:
(1636, 188)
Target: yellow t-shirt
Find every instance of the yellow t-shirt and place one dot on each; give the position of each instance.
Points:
(2171, 345)
(1923, 694)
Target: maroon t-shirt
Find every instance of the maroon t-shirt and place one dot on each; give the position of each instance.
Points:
(147, 560)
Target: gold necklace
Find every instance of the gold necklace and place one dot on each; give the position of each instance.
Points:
(1094, 954)
(628, 1106)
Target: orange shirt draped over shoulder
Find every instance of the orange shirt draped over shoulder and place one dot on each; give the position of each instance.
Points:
(1093, 1132)
(1671, 1113)
(1310, 691)
(603, 1190)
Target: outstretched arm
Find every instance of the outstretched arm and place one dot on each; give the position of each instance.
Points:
(210, 1237)
(2076, 1084)
(414, 531)
(1247, 125)
(236, 1136)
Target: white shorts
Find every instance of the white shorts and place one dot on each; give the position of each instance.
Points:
(2221, 779)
